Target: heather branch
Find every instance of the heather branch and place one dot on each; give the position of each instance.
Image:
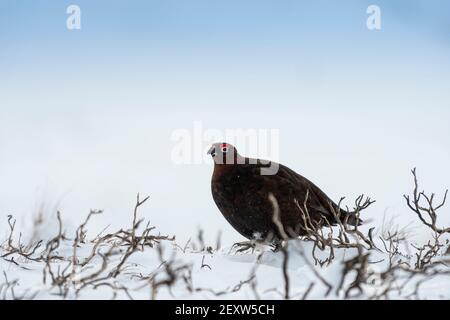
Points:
(429, 209)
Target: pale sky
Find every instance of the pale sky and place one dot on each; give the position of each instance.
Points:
(86, 116)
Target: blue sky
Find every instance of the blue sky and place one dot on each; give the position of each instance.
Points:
(86, 115)
(190, 40)
(192, 44)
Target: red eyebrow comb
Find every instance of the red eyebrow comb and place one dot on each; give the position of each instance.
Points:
(224, 145)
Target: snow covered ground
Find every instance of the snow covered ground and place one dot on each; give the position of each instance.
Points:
(109, 266)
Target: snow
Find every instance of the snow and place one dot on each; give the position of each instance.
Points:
(213, 274)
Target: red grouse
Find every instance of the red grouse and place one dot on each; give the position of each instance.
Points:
(249, 199)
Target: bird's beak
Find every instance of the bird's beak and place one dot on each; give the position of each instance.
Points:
(212, 151)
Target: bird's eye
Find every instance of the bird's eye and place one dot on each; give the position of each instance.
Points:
(224, 149)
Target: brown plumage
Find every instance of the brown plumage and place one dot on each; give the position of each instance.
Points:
(242, 195)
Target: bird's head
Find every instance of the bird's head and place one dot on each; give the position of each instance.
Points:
(223, 153)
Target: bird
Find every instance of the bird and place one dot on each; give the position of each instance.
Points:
(271, 208)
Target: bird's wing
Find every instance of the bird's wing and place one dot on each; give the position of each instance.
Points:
(316, 197)
(290, 187)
